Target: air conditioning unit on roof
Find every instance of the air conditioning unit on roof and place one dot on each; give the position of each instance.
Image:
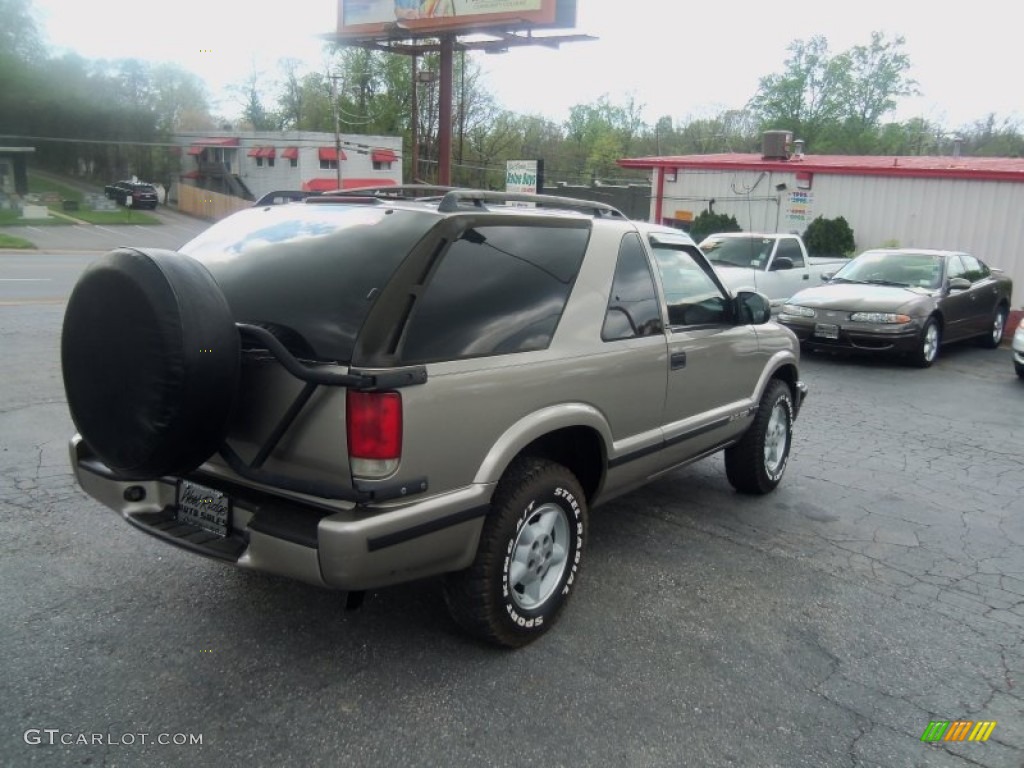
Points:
(775, 145)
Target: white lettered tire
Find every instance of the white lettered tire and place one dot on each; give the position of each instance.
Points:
(757, 462)
(528, 559)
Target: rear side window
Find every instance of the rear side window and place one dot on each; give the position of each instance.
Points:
(974, 270)
(633, 307)
(497, 290)
(791, 250)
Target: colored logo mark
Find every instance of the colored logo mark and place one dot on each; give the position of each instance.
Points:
(958, 730)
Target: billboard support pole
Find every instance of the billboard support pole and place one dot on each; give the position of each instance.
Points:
(444, 113)
(415, 131)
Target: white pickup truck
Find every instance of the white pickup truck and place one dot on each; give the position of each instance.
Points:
(776, 265)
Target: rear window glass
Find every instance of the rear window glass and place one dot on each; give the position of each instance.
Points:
(310, 273)
(497, 290)
(144, 188)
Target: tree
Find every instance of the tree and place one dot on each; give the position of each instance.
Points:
(19, 36)
(807, 96)
(835, 102)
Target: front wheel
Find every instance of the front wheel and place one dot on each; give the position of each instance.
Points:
(755, 464)
(927, 345)
(992, 339)
(528, 558)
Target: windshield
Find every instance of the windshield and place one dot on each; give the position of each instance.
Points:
(738, 251)
(906, 270)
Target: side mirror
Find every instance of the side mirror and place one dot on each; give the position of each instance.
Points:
(750, 308)
(826, 276)
(959, 284)
(781, 263)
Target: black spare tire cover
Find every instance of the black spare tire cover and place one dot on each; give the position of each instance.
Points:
(150, 356)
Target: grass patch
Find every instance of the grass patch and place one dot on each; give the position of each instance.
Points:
(120, 216)
(10, 241)
(13, 219)
(41, 185)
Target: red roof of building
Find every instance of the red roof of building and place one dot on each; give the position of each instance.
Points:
(976, 168)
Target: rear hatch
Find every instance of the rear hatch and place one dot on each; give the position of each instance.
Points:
(309, 275)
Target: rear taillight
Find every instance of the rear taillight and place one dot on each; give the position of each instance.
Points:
(374, 421)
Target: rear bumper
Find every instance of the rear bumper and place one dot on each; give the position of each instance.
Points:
(350, 548)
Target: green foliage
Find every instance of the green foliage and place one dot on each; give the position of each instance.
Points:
(708, 223)
(41, 184)
(120, 216)
(829, 237)
(835, 103)
(11, 241)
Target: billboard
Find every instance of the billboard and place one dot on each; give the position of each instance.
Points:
(381, 18)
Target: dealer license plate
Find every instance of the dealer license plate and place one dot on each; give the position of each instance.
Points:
(203, 507)
(826, 331)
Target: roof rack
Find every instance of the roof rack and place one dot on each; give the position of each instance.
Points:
(388, 192)
(457, 200)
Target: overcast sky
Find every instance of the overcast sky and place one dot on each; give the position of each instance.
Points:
(688, 59)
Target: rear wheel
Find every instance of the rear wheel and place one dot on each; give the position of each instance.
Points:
(992, 339)
(927, 345)
(528, 557)
(756, 463)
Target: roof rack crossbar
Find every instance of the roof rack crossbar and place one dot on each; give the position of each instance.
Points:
(457, 199)
(389, 192)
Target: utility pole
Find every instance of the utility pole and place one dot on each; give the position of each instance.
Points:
(337, 125)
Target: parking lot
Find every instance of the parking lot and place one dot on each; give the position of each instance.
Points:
(879, 588)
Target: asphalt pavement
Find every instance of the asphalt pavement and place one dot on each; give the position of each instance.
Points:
(880, 587)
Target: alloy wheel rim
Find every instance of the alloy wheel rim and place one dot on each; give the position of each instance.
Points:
(539, 557)
(776, 439)
(997, 327)
(931, 342)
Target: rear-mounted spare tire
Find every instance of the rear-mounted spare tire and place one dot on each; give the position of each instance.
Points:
(150, 355)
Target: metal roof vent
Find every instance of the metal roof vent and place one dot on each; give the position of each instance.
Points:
(775, 145)
(798, 149)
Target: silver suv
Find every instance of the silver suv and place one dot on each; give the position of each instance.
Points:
(360, 390)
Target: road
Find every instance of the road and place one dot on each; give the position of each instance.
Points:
(879, 588)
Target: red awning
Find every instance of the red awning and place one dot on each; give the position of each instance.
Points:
(319, 185)
(383, 156)
(268, 152)
(329, 185)
(330, 154)
(255, 152)
(290, 153)
(221, 141)
(195, 149)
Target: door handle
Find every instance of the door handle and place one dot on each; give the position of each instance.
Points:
(677, 360)
(807, 276)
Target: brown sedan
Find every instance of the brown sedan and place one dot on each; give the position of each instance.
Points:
(905, 301)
